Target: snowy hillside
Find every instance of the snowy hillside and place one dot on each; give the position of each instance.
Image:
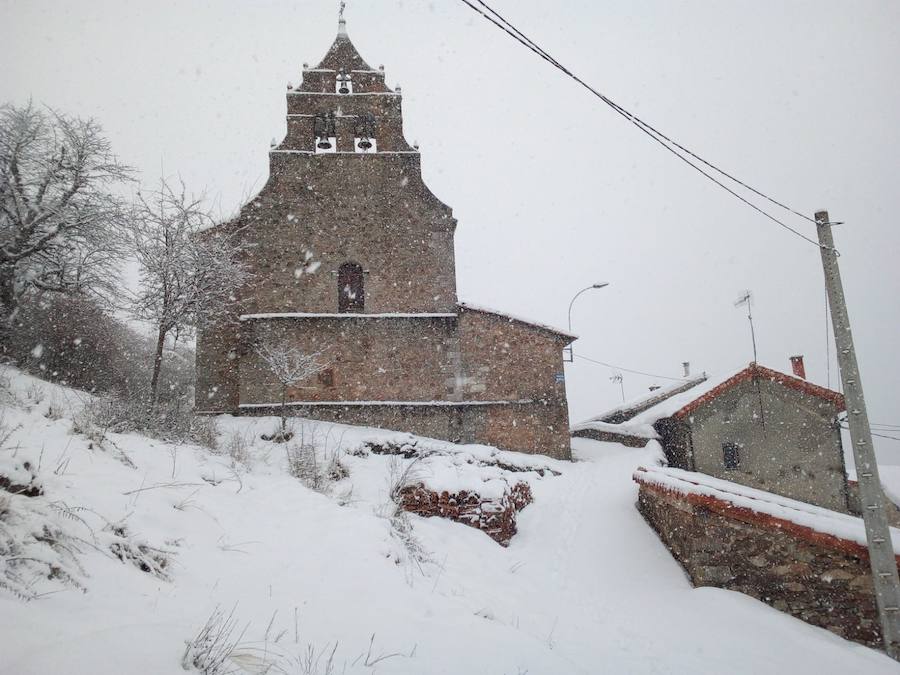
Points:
(327, 581)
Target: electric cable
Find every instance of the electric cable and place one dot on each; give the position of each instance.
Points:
(664, 140)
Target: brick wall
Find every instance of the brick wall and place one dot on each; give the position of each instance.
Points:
(821, 579)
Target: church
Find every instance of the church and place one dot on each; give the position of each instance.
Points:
(352, 258)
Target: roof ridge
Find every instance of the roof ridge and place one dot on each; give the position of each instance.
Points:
(754, 369)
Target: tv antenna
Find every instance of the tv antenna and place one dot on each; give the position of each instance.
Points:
(617, 377)
(746, 298)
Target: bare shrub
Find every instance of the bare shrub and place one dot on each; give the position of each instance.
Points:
(205, 431)
(35, 393)
(56, 409)
(237, 446)
(34, 548)
(130, 550)
(289, 366)
(316, 472)
(401, 476)
(211, 649)
(171, 420)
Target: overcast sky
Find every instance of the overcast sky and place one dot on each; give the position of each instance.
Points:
(553, 191)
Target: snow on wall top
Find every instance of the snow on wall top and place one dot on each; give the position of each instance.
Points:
(510, 317)
(414, 404)
(349, 315)
(624, 428)
(816, 518)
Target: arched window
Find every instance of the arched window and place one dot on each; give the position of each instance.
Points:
(351, 294)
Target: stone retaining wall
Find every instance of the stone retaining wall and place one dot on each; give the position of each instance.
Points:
(497, 519)
(814, 576)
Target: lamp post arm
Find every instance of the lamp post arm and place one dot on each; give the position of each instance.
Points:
(573, 302)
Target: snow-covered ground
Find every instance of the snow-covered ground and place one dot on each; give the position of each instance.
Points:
(584, 587)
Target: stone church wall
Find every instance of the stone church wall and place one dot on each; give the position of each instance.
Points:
(510, 360)
(318, 212)
(396, 359)
(815, 577)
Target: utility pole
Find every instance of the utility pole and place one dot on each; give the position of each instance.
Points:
(871, 495)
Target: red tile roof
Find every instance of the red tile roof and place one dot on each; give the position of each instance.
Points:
(756, 370)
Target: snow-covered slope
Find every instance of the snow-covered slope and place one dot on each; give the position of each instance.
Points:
(585, 587)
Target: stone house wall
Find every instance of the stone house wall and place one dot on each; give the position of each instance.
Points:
(792, 449)
(816, 577)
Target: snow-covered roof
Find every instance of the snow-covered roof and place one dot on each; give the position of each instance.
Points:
(616, 417)
(348, 315)
(510, 317)
(781, 511)
(686, 402)
(682, 398)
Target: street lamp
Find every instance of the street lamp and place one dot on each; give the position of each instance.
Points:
(600, 285)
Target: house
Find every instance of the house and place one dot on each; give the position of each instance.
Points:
(758, 427)
(352, 257)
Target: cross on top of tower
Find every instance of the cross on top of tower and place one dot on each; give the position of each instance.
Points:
(342, 23)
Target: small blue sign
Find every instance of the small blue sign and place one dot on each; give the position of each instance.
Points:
(560, 378)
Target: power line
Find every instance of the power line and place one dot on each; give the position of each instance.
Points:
(629, 370)
(893, 438)
(664, 140)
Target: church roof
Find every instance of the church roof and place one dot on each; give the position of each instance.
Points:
(509, 317)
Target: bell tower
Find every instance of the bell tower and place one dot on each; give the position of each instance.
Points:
(344, 105)
(345, 192)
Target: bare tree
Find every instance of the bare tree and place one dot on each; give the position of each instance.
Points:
(187, 276)
(59, 220)
(290, 366)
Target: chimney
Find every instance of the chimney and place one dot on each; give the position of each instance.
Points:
(654, 387)
(687, 368)
(797, 365)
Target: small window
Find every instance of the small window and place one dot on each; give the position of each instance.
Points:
(731, 455)
(351, 293)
